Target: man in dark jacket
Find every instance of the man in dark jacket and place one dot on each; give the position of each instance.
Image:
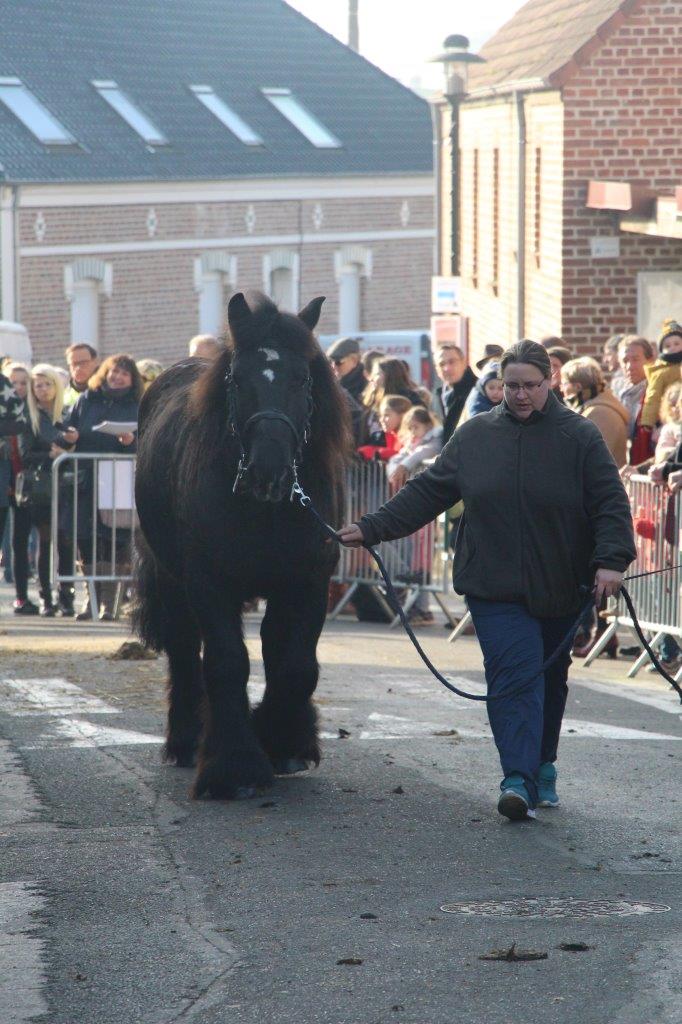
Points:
(344, 355)
(458, 380)
(546, 521)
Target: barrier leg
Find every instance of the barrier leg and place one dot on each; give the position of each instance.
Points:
(94, 602)
(644, 657)
(411, 598)
(116, 610)
(445, 610)
(601, 644)
(459, 628)
(344, 601)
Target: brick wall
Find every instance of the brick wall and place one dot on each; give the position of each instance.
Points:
(623, 119)
(153, 308)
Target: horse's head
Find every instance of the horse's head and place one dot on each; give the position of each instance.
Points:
(270, 392)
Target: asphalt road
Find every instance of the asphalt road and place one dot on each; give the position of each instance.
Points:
(123, 900)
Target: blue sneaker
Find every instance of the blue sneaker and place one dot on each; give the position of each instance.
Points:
(515, 802)
(547, 794)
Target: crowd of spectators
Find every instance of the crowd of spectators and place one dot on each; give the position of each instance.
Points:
(48, 410)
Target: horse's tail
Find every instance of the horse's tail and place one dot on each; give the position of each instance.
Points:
(149, 617)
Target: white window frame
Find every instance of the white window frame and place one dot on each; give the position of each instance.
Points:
(129, 112)
(214, 269)
(28, 109)
(226, 115)
(283, 259)
(298, 115)
(85, 282)
(352, 263)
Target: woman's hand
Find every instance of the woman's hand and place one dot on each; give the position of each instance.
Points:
(656, 474)
(398, 478)
(56, 451)
(126, 439)
(675, 481)
(350, 536)
(607, 583)
(628, 471)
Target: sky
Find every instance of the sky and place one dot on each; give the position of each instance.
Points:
(400, 35)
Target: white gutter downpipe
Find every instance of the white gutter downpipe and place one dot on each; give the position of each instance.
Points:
(521, 219)
(8, 270)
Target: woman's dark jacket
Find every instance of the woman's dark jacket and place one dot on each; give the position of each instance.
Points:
(94, 407)
(544, 508)
(452, 408)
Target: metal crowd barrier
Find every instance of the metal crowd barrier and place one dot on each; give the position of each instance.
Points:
(94, 524)
(657, 518)
(415, 563)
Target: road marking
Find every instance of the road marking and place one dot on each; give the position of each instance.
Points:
(667, 702)
(574, 727)
(22, 697)
(82, 734)
(22, 954)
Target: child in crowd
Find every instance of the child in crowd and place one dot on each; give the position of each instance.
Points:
(486, 393)
(421, 438)
(391, 412)
(665, 371)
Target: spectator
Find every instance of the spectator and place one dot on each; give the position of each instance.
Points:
(552, 341)
(205, 346)
(668, 439)
(586, 392)
(634, 354)
(611, 366)
(458, 380)
(487, 392)
(19, 377)
(33, 489)
(82, 361)
(558, 357)
(490, 353)
(344, 355)
(369, 359)
(149, 369)
(113, 394)
(392, 377)
(666, 370)
(421, 438)
(391, 412)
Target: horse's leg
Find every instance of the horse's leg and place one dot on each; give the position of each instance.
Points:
(231, 763)
(286, 720)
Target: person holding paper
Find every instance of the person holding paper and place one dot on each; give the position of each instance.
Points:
(113, 396)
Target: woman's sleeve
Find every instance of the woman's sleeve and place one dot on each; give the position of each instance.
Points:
(13, 416)
(608, 508)
(419, 502)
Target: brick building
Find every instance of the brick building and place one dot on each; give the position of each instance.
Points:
(156, 156)
(568, 134)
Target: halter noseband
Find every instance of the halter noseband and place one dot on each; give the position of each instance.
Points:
(301, 439)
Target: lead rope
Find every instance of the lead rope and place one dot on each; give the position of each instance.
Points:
(565, 645)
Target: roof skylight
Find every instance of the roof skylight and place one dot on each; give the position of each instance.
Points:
(32, 114)
(131, 114)
(206, 95)
(301, 118)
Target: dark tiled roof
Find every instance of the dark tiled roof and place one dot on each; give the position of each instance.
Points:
(154, 49)
(543, 40)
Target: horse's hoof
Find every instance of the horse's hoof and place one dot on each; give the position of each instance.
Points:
(245, 792)
(290, 766)
(182, 755)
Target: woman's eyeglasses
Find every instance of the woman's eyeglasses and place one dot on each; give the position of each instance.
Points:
(529, 386)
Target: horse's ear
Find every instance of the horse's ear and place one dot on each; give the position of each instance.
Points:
(310, 314)
(238, 312)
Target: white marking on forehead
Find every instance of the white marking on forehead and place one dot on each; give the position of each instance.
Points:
(269, 375)
(270, 354)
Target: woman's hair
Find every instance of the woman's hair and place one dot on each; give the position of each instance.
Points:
(395, 403)
(396, 379)
(53, 375)
(9, 368)
(636, 339)
(586, 372)
(671, 407)
(368, 359)
(149, 369)
(527, 352)
(416, 414)
(560, 353)
(612, 344)
(123, 362)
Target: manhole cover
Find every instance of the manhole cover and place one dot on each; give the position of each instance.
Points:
(549, 907)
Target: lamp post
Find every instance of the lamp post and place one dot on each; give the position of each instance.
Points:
(455, 59)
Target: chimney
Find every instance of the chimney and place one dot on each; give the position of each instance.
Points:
(353, 27)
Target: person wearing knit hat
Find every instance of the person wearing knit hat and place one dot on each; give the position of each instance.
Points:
(486, 393)
(665, 371)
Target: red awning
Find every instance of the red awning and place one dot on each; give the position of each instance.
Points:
(620, 196)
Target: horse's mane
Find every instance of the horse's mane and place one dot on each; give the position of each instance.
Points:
(330, 433)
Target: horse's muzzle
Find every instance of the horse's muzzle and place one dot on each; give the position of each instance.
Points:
(266, 487)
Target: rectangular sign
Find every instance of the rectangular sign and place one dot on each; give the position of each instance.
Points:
(605, 247)
(445, 294)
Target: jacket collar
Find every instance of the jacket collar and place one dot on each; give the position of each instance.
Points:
(549, 410)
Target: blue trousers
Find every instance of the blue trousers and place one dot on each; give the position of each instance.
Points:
(515, 645)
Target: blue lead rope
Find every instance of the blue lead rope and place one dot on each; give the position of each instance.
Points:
(563, 647)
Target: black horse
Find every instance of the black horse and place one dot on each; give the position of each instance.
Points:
(220, 447)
